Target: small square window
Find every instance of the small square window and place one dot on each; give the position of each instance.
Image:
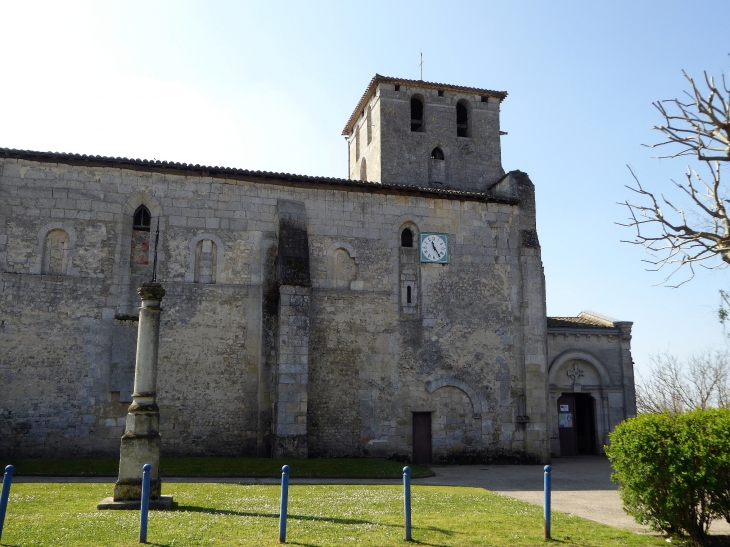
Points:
(441, 92)
(397, 87)
(484, 98)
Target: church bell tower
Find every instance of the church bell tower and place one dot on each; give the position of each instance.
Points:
(425, 134)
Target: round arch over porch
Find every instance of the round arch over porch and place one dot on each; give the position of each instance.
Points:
(581, 355)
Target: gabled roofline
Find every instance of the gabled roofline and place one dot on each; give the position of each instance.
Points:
(231, 173)
(378, 79)
(576, 330)
(587, 321)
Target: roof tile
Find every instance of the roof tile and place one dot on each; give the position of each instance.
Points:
(577, 323)
(246, 174)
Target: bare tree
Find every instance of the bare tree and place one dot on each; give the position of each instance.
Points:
(701, 126)
(676, 235)
(672, 386)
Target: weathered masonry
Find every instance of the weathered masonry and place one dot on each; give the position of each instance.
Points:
(397, 313)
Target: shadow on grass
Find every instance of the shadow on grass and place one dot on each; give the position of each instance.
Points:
(414, 541)
(197, 509)
(229, 512)
(416, 529)
(135, 543)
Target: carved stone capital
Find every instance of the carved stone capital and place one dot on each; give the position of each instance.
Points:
(151, 291)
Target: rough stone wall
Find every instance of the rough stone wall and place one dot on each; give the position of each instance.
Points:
(402, 156)
(67, 376)
(207, 380)
(54, 391)
(370, 151)
(456, 428)
(476, 330)
(353, 376)
(370, 367)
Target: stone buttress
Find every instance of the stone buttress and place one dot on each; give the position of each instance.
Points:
(530, 389)
(292, 339)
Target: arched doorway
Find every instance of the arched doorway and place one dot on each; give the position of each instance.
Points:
(577, 424)
(578, 383)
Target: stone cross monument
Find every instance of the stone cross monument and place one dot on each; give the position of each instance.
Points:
(141, 440)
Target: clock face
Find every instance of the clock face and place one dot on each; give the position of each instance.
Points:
(435, 248)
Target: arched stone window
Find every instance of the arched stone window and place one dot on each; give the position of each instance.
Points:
(462, 120)
(206, 261)
(363, 170)
(55, 253)
(140, 236)
(406, 238)
(416, 114)
(437, 166)
(142, 219)
(370, 125)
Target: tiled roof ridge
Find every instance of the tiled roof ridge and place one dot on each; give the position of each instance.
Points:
(234, 173)
(594, 315)
(577, 323)
(378, 78)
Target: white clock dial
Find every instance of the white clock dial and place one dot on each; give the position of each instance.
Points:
(433, 247)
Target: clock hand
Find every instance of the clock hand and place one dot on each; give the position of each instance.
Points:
(434, 247)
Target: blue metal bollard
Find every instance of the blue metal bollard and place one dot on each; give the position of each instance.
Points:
(407, 500)
(546, 515)
(7, 479)
(284, 502)
(145, 503)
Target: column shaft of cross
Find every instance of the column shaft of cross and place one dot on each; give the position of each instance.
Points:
(141, 439)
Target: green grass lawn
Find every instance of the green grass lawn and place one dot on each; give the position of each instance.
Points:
(226, 467)
(44, 514)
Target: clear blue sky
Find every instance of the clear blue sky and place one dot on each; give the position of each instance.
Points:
(269, 85)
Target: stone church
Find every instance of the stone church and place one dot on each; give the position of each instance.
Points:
(398, 313)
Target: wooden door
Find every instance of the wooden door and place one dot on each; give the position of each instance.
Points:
(566, 425)
(421, 437)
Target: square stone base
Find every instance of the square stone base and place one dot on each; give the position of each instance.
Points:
(131, 489)
(163, 503)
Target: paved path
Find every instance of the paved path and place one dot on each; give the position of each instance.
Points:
(581, 486)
